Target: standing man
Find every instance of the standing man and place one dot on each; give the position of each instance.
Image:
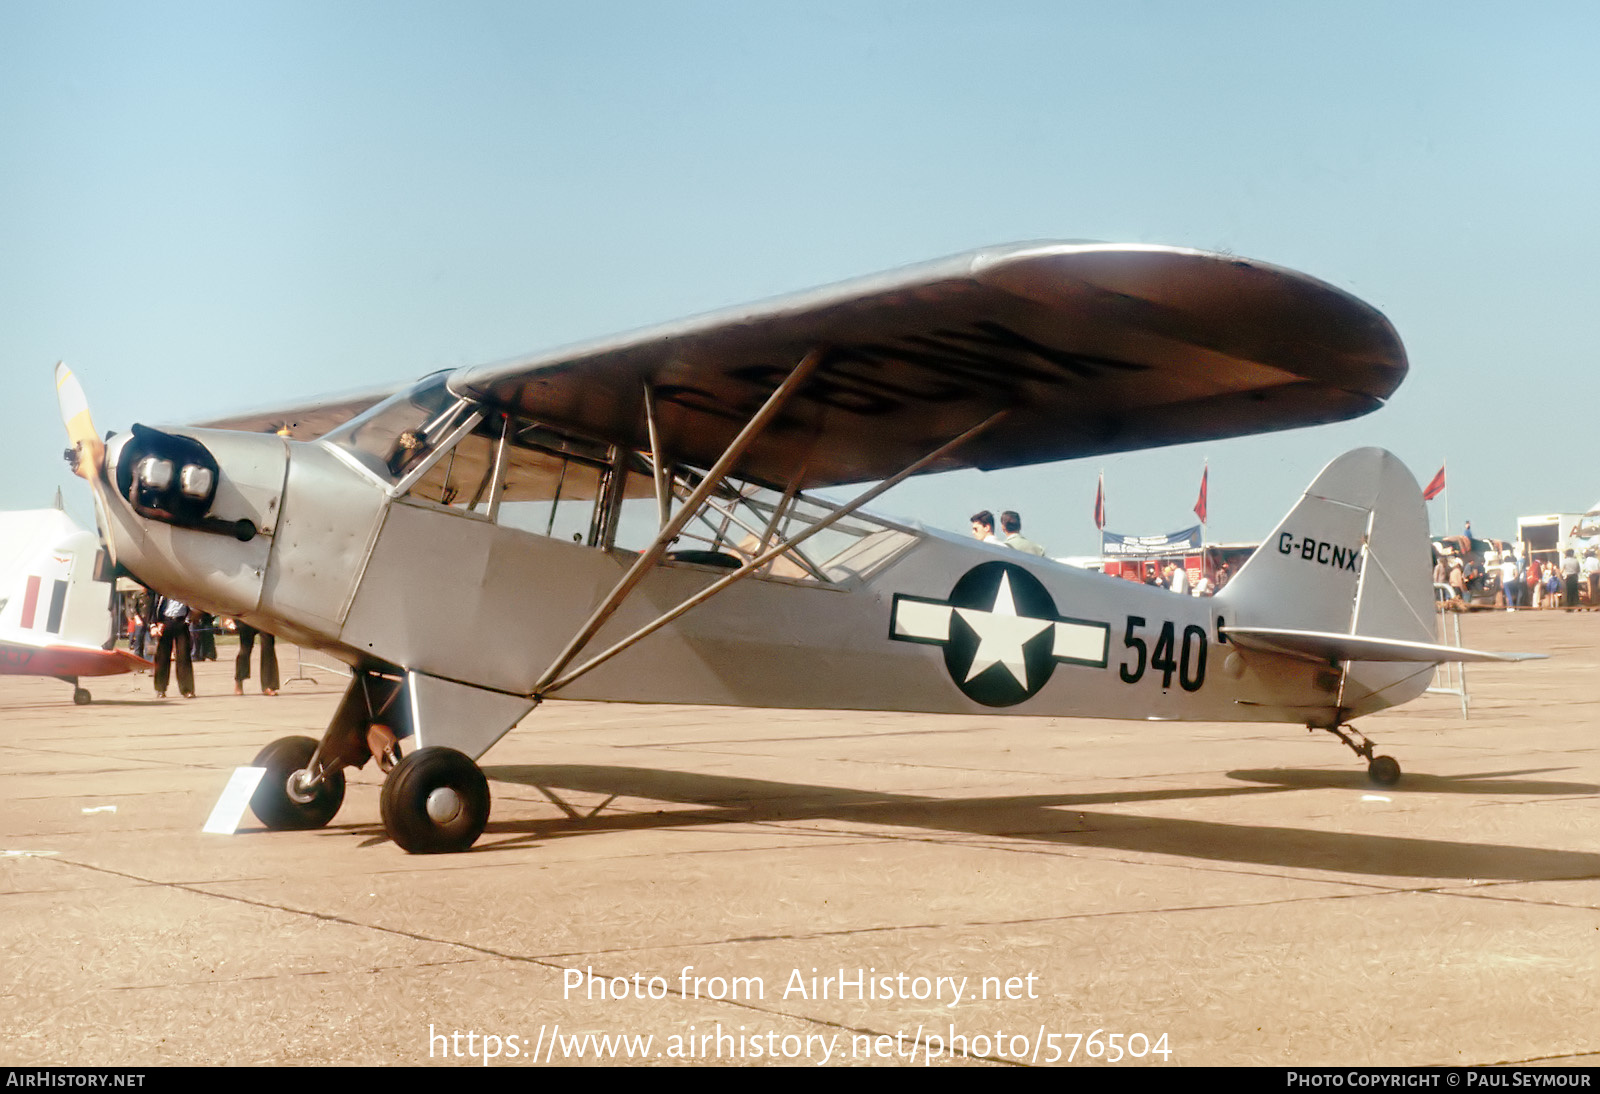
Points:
(1179, 580)
(1569, 575)
(143, 603)
(171, 627)
(1510, 581)
(1011, 525)
(269, 660)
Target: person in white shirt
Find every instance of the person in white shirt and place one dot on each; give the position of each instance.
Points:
(1510, 583)
(1180, 581)
(983, 527)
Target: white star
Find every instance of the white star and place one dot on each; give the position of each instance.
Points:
(1002, 633)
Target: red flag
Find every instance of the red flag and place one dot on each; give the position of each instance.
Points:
(1100, 505)
(1200, 506)
(1436, 487)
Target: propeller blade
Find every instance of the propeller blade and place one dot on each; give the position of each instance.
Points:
(80, 426)
(90, 460)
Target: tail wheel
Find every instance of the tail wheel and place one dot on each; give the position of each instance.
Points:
(283, 800)
(1384, 770)
(435, 801)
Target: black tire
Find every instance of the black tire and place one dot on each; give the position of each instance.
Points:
(81, 696)
(406, 792)
(1384, 770)
(272, 803)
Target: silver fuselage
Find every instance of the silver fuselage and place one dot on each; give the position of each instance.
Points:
(340, 563)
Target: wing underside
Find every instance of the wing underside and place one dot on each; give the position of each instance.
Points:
(1084, 348)
(1087, 349)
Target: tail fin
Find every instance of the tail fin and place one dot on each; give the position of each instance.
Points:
(1346, 577)
(48, 593)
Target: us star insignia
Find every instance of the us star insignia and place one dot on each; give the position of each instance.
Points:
(1001, 635)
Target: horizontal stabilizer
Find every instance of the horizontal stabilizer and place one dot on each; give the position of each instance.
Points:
(1325, 646)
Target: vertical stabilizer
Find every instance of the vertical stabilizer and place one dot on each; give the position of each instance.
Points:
(1352, 557)
(47, 589)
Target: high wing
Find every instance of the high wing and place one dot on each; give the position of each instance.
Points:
(1087, 348)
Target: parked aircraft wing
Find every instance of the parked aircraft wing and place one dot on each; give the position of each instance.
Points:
(309, 419)
(1090, 348)
(20, 659)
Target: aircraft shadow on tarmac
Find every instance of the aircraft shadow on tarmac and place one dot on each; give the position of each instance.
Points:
(1483, 782)
(1050, 819)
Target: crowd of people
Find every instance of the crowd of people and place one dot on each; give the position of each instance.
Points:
(1175, 577)
(1559, 580)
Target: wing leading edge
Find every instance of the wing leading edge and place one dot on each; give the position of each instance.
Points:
(1089, 348)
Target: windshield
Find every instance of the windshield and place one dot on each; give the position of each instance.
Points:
(399, 432)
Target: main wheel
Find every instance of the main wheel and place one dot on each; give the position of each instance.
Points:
(280, 801)
(81, 696)
(436, 800)
(1384, 770)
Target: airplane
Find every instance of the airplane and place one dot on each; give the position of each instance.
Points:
(55, 617)
(635, 519)
(1588, 525)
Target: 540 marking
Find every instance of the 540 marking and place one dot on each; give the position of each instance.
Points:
(1185, 659)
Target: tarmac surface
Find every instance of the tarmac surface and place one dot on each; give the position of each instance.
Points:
(715, 880)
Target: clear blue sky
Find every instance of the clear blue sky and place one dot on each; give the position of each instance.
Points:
(210, 207)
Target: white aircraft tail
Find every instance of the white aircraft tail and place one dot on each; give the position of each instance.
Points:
(1346, 579)
(48, 594)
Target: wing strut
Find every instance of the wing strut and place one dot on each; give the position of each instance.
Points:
(643, 564)
(556, 682)
(659, 470)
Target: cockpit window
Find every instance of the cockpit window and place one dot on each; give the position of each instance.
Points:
(398, 433)
(567, 487)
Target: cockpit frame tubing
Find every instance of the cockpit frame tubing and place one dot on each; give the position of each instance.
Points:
(440, 450)
(497, 486)
(708, 485)
(730, 515)
(781, 510)
(544, 689)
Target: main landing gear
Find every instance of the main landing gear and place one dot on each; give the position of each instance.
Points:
(1382, 770)
(434, 801)
(295, 793)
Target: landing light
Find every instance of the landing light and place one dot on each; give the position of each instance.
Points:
(155, 473)
(196, 481)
